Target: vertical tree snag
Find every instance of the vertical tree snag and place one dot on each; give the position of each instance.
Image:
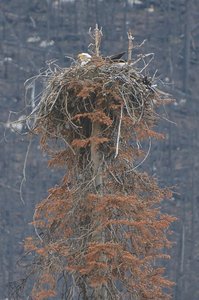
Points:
(130, 46)
(96, 130)
(96, 159)
(187, 46)
(100, 232)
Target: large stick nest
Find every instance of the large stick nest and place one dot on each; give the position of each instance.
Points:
(112, 94)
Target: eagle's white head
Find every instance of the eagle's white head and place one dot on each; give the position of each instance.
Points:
(84, 58)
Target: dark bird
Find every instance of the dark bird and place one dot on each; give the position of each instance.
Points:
(116, 57)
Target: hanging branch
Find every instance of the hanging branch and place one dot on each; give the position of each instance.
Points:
(118, 135)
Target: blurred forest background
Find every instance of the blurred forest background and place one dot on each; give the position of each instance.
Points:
(35, 32)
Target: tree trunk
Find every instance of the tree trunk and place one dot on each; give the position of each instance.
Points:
(96, 159)
(187, 47)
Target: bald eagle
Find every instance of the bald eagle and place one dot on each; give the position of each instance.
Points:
(85, 58)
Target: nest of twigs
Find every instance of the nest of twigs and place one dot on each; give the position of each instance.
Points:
(112, 94)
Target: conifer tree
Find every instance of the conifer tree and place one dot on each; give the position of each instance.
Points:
(100, 232)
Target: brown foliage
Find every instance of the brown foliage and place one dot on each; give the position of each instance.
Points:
(110, 236)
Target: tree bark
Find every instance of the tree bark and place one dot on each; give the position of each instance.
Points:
(96, 159)
(187, 47)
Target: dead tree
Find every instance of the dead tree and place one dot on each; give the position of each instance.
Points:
(100, 232)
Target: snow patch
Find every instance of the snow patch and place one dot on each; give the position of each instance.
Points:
(45, 44)
(136, 2)
(16, 126)
(33, 39)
